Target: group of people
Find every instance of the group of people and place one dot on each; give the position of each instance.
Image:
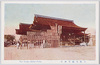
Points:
(19, 45)
(28, 44)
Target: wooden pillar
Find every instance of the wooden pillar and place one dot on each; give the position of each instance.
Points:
(74, 39)
(84, 36)
(27, 44)
(61, 43)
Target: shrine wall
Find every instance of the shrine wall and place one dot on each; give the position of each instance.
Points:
(51, 37)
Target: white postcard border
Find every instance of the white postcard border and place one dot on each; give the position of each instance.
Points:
(49, 61)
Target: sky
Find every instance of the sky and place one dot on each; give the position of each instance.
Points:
(83, 15)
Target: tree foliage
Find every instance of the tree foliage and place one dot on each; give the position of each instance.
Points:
(9, 37)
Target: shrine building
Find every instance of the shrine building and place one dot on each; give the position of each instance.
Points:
(55, 31)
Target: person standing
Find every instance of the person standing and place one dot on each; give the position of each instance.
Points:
(18, 45)
(21, 40)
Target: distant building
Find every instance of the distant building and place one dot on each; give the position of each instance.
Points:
(93, 40)
(54, 31)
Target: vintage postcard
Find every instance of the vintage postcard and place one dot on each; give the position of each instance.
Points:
(50, 32)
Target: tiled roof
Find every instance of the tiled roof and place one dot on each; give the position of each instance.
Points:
(46, 20)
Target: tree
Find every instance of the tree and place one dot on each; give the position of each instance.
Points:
(9, 37)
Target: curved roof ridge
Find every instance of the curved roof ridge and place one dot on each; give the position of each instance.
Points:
(37, 15)
(78, 26)
(25, 23)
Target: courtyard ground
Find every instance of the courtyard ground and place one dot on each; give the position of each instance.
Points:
(65, 53)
